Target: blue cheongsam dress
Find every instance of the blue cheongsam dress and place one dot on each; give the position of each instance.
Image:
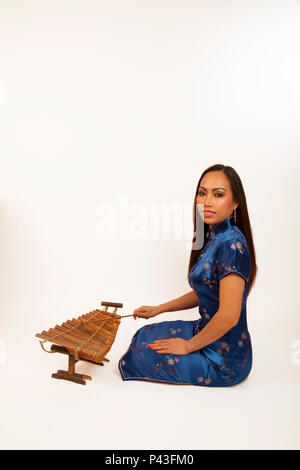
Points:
(224, 362)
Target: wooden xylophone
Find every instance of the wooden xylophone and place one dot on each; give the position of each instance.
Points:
(86, 338)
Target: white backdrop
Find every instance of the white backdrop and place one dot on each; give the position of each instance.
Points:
(106, 101)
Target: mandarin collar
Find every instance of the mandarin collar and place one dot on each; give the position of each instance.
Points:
(220, 226)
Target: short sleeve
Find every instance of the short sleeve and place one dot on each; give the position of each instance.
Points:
(233, 257)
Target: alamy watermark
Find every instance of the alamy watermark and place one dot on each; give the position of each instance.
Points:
(124, 221)
(295, 356)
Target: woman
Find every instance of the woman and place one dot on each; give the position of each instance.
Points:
(215, 350)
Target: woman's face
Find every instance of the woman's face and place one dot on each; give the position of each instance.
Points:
(215, 197)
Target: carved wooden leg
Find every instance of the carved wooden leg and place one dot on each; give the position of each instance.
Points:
(70, 374)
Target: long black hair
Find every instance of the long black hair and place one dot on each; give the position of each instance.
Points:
(242, 217)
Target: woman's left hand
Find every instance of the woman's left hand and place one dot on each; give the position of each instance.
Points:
(172, 346)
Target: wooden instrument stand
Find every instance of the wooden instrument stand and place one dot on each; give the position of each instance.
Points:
(88, 339)
(70, 374)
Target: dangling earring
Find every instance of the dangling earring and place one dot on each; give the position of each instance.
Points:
(234, 216)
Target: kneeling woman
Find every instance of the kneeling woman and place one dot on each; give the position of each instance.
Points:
(214, 350)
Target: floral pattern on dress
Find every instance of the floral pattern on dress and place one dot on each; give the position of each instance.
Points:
(226, 361)
(168, 364)
(229, 267)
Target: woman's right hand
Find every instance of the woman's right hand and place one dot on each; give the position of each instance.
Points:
(146, 311)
